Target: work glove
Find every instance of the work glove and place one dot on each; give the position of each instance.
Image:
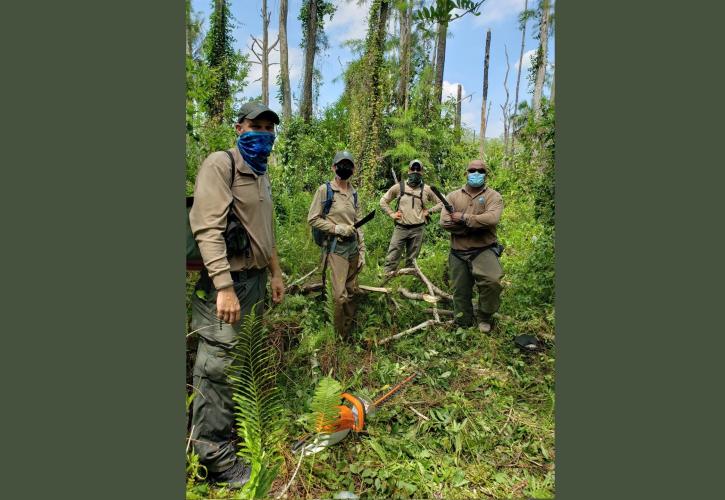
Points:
(344, 230)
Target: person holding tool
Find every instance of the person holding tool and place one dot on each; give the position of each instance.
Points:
(231, 221)
(335, 219)
(471, 218)
(410, 216)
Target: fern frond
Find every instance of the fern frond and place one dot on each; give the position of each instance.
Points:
(258, 405)
(324, 409)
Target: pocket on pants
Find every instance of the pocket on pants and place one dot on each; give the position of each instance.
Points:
(212, 363)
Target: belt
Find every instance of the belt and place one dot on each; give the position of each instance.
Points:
(410, 226)
(238, 276)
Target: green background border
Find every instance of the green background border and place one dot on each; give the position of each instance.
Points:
(93, 187)
(93, 357)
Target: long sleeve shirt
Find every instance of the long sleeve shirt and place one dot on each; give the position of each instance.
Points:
(252, 196)
(411, 204)
(342, 211)
(481, 210)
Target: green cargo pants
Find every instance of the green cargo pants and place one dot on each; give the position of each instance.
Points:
(343, 275)
(485, 272)
(213, 409)
(408, 239)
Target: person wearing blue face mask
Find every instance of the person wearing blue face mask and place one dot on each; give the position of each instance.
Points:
(473, 260)
(230, 185)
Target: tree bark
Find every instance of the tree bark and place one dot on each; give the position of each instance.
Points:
(265, 54)
(440, 59)
(505, 106)
(284, 62)
(484, 118)
(518, 77)
(541, 59)
(405, 13)
(311, 44)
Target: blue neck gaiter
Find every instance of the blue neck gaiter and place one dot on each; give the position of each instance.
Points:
(255, 148)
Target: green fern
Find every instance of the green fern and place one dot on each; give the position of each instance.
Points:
(324, 405)
(258, 406)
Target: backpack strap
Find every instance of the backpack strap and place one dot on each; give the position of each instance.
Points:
(327, 205)
(234, 167)
(354, 199)
(401, 193)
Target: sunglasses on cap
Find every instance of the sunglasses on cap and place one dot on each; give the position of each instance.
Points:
(415, 167)
(478, 170)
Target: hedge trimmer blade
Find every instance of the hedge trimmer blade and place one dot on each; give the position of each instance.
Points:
(392, 392)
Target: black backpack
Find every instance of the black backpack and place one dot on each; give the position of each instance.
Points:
(318, 235)
(235, 236)
(402, 192)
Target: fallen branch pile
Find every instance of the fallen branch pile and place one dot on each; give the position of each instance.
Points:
(433, 296)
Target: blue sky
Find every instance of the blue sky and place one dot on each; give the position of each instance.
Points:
(464, 51)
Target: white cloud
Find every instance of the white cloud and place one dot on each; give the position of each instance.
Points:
(349, 21)
(451, 90)
(526, 61)
(493, 11)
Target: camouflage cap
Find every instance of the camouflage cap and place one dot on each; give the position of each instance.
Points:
(343, 155)
(254, 109)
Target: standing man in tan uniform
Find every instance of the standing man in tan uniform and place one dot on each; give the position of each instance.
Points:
(410, 216)
(475, 250)
(231, 286)
(342, 245)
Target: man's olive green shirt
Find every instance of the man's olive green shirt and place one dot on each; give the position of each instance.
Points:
(342, 211)
(252, 195)
(411, 207)
(481, 210)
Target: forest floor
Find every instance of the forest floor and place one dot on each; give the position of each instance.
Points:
(478, 422)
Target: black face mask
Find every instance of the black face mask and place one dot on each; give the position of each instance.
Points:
(344, 170)
(414, 179)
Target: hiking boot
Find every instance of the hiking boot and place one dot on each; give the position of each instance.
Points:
(484, 327)
(234, 477)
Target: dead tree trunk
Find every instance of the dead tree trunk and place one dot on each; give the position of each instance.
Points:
(405, 14)
(518, 77)
(440, 59)
(285, 89)
(263, 52)
(310, 46)
(505, 107)
(541, 58)
(482, 137)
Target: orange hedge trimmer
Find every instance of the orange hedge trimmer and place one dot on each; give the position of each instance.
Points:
(350, 418)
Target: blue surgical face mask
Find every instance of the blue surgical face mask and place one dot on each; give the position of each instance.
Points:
(476, 179)
(255, 148)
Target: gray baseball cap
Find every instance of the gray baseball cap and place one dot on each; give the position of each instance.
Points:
(413, 162)
(254, 109)
(343, 155)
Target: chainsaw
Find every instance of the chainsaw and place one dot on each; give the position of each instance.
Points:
(351, 417)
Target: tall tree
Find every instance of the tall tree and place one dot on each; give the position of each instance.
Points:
(262, 52)
(523, 18)
(285, 90)
(442, 13)
(310, 46)
(220, 57)
(312, 16)
(540, 63)
(505, 111)
(484, 117)
(367, 83)
(405, 13)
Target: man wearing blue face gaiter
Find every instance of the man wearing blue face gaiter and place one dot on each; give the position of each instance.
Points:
(230, 185)
(473, 259)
